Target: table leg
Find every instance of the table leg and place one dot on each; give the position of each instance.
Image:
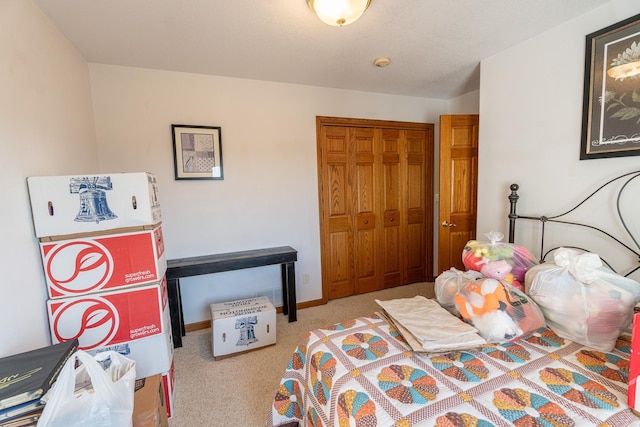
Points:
(285, 290)
(175, 310)
(291, 290)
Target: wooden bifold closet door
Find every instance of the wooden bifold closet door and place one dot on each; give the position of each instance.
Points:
(376, 204)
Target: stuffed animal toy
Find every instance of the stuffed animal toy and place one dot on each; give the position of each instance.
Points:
(499, 311)
(449, 283)
(499, 270)
(496, 326)
(479, 297)
(478, 255)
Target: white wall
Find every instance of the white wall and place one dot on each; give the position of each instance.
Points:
(469, 103)
(530, 127)
(269, 195)
(46, 128)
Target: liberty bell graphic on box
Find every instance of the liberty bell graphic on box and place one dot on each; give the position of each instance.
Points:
(93, 198)
(247, 334)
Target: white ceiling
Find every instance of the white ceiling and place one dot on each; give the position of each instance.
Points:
(435, 46)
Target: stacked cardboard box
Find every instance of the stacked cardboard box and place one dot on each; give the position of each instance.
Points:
(242, 325)
(150, 404)
(104, 264)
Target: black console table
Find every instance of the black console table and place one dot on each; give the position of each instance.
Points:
(194, 266)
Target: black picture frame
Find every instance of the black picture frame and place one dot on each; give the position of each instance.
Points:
(197, 152)
(611, 102)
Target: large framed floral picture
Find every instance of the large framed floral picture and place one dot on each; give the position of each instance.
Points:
(611, 105)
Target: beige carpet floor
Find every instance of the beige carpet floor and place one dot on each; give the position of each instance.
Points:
(238, 391)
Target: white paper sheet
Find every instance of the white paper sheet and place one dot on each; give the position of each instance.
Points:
(430, 323)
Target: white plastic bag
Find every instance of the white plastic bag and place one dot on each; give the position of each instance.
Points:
(449, 283)
(98, 393)
(498, 310)
(498, 260)
(581, 299)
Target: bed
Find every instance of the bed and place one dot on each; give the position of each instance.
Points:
(362, 372)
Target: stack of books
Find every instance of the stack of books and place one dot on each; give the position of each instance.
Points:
(25, 378)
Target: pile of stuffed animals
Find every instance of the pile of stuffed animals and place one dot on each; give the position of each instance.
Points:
(498, 260)
(499, 311)
(490, 294)
(506, 294)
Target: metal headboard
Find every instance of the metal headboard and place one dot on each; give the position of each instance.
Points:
(626, 178)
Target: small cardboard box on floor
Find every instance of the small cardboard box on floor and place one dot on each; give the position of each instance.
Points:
(79, 204)
(239, 326)
(149, 403)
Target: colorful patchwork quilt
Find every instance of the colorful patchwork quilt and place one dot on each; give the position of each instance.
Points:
(362, 373)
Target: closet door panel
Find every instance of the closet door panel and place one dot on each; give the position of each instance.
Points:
(365, 196)
(392, 262)
(336, 203)
(339, 280)
(416, 205)
(391, 251)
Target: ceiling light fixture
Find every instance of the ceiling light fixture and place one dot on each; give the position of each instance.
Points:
(383, 61)
(339, 12)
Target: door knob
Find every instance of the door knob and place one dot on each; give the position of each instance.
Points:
(447, 224)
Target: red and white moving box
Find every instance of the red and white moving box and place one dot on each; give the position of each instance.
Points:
(242, 325)
(633, 395)
(73, 204)
(168, 381)
(110, 318)
(100, 263)
(153, 355)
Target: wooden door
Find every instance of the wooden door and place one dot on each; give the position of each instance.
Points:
(458, 188)
(376, 192)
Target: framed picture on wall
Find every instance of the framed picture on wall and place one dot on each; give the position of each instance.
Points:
(197, 152)
(611, 104)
